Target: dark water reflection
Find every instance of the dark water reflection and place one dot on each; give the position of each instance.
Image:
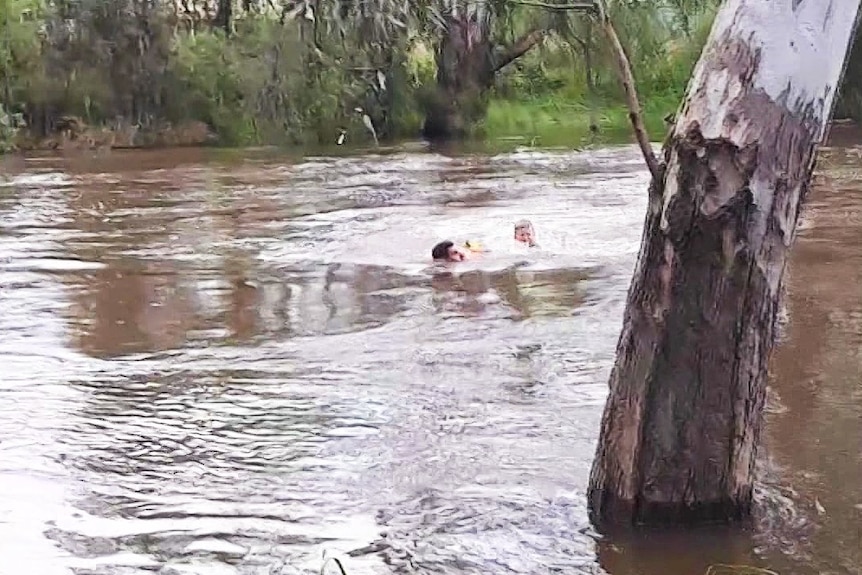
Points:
(231, 364)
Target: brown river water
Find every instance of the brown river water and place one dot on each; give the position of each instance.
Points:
(219, 363)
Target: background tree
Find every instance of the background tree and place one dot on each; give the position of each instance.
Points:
(295, 72)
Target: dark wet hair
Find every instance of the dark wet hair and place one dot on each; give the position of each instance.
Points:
(441, 250)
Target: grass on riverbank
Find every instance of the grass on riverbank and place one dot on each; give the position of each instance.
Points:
(561, 123)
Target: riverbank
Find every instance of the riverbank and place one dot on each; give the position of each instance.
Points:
(510, 124)
(531, 123)
(74, 133)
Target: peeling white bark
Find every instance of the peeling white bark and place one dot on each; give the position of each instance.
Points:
(799, 49)
(802, 45)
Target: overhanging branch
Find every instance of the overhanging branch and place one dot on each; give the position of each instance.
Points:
(575, 6)
(580, 42)
(520, 47)
(531, 39)
(628, 81)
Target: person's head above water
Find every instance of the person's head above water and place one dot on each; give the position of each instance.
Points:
(448, 251)
(524, 232)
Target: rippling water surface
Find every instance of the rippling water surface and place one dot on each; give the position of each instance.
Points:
(219, 365)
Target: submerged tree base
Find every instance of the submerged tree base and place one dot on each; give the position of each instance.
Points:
(617, 512)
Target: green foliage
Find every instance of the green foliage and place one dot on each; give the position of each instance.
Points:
(20, 47)
(299, 79)
(205, 84)
(128, 63)
(553, 92)
(298, 76)
(19, 50)
(9, 125)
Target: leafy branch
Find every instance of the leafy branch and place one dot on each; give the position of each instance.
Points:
(627, 78)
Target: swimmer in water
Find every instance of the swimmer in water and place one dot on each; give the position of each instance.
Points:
(447, 251)
(524, 233)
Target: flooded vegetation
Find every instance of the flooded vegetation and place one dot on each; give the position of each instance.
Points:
(230, 364)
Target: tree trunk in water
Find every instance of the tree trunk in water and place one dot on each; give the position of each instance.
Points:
(224, 16)
(465, 70)
(850, 99)
(683, 417)
(587, 48)
(467, 62)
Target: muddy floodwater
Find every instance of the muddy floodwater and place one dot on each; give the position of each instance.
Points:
(216, 363)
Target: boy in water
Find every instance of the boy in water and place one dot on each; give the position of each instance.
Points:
(524, 233)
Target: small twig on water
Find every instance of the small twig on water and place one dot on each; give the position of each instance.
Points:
(738, 570)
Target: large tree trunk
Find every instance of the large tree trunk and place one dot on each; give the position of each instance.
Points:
(464, 71)
(592, 97)
(467, 62)
(849, 104)
(224, 16)
(683, 418)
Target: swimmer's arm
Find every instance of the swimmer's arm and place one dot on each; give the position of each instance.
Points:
(476, 247)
